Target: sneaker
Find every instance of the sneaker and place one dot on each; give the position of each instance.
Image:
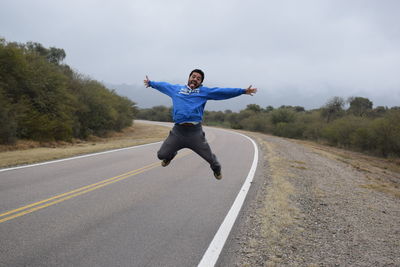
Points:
(165, 162)
(218, 175)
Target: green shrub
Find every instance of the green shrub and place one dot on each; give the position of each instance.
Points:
(282, 115)
(8, 125)
(386, 134)
(257, 123)
(340, 131)
(290, 130)
(42, 99)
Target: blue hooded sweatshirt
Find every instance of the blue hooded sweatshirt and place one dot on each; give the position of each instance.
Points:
(188, 104)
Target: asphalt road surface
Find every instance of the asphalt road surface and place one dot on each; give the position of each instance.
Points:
(120, 208)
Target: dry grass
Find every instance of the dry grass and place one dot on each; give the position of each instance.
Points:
(27, 152)
(391, 164)
(279, 211)
(279, 214)
(383, 175)
(382, 185)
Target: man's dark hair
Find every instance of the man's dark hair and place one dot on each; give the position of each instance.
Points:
(199, 72)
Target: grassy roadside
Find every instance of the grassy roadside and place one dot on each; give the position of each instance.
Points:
(383, 174)
(27, 152)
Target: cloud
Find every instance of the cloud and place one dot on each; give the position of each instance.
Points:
(305, 51)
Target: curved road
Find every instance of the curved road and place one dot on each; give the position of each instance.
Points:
(120, 208)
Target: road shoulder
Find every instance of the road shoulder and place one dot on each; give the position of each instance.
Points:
(310, 207)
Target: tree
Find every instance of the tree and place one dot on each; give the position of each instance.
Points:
(359, 106)
(333, 108)
(269, 108)
(156, 113)
(37, 47)
(379, 111)
(55, 55)
(254, 107)
(285, 115)
(299, 109)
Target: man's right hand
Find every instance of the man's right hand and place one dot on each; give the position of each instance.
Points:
(147, 82)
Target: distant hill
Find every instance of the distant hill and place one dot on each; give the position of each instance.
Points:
(142, 96)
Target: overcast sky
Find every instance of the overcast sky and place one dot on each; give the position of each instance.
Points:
(295, 52)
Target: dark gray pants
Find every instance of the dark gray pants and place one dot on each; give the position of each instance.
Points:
(191, 137)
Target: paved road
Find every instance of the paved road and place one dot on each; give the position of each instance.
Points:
(120, 208)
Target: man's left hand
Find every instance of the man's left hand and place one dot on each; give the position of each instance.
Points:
(251, 90)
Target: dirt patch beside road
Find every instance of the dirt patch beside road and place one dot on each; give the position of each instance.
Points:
(319, 206)
(26, 152)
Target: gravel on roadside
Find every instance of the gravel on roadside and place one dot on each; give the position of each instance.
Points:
(315, 208)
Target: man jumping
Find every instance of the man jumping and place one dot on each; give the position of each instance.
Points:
(188, 107)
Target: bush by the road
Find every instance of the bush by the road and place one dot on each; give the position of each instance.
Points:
(43, 99)
(359, 127)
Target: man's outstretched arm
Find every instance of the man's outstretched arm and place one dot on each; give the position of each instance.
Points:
(163, 87)
(217, 93)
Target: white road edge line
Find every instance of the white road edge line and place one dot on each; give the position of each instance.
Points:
(77, 157)
(214, 249)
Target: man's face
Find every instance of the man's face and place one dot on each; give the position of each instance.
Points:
(194, 80)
